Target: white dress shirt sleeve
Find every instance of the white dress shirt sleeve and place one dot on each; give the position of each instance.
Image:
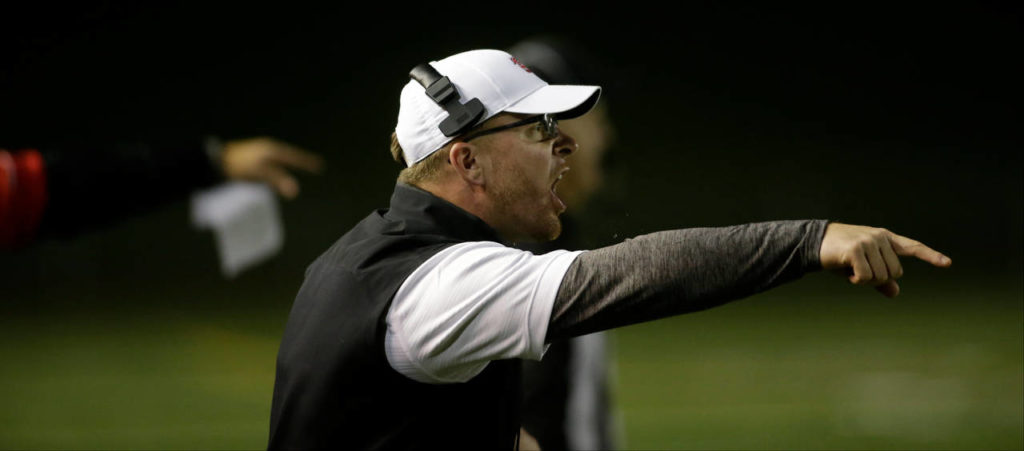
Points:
(469, 304)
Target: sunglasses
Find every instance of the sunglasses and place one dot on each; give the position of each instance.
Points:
(547, 126)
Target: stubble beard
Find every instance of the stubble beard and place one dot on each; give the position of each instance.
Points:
(510, 199)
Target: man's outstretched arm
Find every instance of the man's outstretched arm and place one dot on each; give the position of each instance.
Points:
(475, 302)
(673, 272)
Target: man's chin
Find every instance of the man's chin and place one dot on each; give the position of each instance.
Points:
(553, 229)
(550, 231)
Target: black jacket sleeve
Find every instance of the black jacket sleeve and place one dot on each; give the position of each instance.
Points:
(92, 187)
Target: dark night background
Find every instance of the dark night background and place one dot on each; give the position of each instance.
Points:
(906, 117)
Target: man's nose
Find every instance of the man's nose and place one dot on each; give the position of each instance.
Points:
(565, 145)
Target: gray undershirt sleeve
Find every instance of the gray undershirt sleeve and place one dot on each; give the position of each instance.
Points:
(673, 272)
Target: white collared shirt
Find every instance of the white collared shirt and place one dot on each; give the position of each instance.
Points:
(469, 304)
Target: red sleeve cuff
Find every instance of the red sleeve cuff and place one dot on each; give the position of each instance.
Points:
(22, 196)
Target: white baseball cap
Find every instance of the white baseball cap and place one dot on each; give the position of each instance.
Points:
(501, 83)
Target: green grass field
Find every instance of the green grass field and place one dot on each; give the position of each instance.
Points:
(815, 365)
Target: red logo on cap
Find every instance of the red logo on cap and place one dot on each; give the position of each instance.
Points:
(523, 66)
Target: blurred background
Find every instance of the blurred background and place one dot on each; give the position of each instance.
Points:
(128, 336)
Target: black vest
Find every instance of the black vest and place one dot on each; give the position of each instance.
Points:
(334, 387)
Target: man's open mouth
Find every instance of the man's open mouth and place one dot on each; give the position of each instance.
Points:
(554, 193)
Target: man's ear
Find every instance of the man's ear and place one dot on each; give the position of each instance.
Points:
(465, 159)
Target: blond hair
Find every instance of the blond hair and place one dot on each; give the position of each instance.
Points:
(421, 171)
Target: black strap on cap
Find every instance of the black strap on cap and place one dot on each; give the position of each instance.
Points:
(441, 90)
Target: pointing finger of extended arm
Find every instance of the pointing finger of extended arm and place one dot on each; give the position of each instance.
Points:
(908, 247)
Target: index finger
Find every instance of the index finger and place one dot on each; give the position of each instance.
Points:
(907, 247)
(298, 158)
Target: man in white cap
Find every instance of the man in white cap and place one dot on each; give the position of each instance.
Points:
(408, 331)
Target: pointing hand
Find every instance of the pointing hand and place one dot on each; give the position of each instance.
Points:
(870, 256)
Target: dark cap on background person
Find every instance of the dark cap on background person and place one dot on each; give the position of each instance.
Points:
(558, 60)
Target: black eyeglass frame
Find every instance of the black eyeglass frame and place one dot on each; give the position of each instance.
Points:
(549, 127)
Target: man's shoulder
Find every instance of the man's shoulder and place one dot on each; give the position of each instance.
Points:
(485, 263)
(376, 240)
